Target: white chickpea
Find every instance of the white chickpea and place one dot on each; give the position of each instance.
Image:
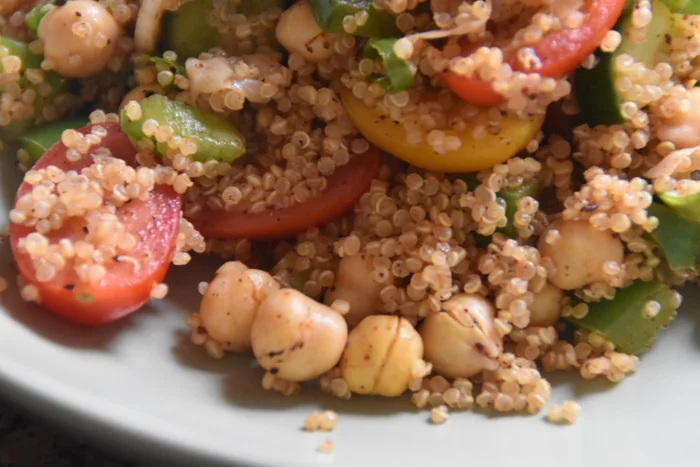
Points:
(139, 93)
(382, 354)
(79, 38)
(230, 303)
(355, 284)
(299, 33)
(683, 129)
(546, 306)
(296, 338)
(579, 253)
(462, 340)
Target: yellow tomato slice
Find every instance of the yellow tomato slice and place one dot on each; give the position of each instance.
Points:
(474, 155)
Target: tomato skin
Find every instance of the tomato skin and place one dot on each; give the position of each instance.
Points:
(560, 52)
(154, 222)
(345, 187)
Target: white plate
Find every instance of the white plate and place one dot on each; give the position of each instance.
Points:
(141, 388)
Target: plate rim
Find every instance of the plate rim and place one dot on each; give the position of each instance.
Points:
(111, 427)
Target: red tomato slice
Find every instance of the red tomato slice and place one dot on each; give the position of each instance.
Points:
(560, 52)
(345, 187)
(154, 222)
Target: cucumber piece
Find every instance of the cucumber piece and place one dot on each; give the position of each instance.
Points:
(216, 138)
(40, 139)
(329, 15)
(596, 88)
(187, 31)
(678, 237)
(622, 321)
(683, 7)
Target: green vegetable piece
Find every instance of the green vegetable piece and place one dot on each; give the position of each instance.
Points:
(329, 15)
(683, 7)
(677, 237)
(257, 7)
(216, 138)
(35, 16)
(165, 65)
(512, 197)
(686, 206)
(20, 50)
(29, 60)
(595, 88)
(187, 31)
(40, 139)
(399, 76)
(287, 275)
(622, 320)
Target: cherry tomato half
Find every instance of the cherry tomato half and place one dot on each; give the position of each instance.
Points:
(560, 52)
(345, 187)
(123, 290)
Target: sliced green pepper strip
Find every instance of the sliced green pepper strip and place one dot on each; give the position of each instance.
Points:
(329, 15)
(399, 76)
(40, 139)
(216, 138)
(686, 206)
(683, 7)
(512, 197)
(35, 16)
(678, 237)
(622, 321)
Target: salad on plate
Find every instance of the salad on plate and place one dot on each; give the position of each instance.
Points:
(447, 198)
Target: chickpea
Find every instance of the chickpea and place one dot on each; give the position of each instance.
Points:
(546, 307)
(356, 285)
(230, 303)
(79, 38)
(462, 340)
(683, 129)
(139, 93)
(381, 355)
(297, 338)
(299, 33)
(579, 253)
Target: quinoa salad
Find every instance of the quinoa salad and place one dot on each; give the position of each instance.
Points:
(443, 198)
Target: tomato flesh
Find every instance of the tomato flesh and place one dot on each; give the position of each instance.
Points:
(345, 187)
(560, 52)
(154, 222)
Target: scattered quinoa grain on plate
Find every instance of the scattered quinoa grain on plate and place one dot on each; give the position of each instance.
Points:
(326, 447)
(448, 199)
